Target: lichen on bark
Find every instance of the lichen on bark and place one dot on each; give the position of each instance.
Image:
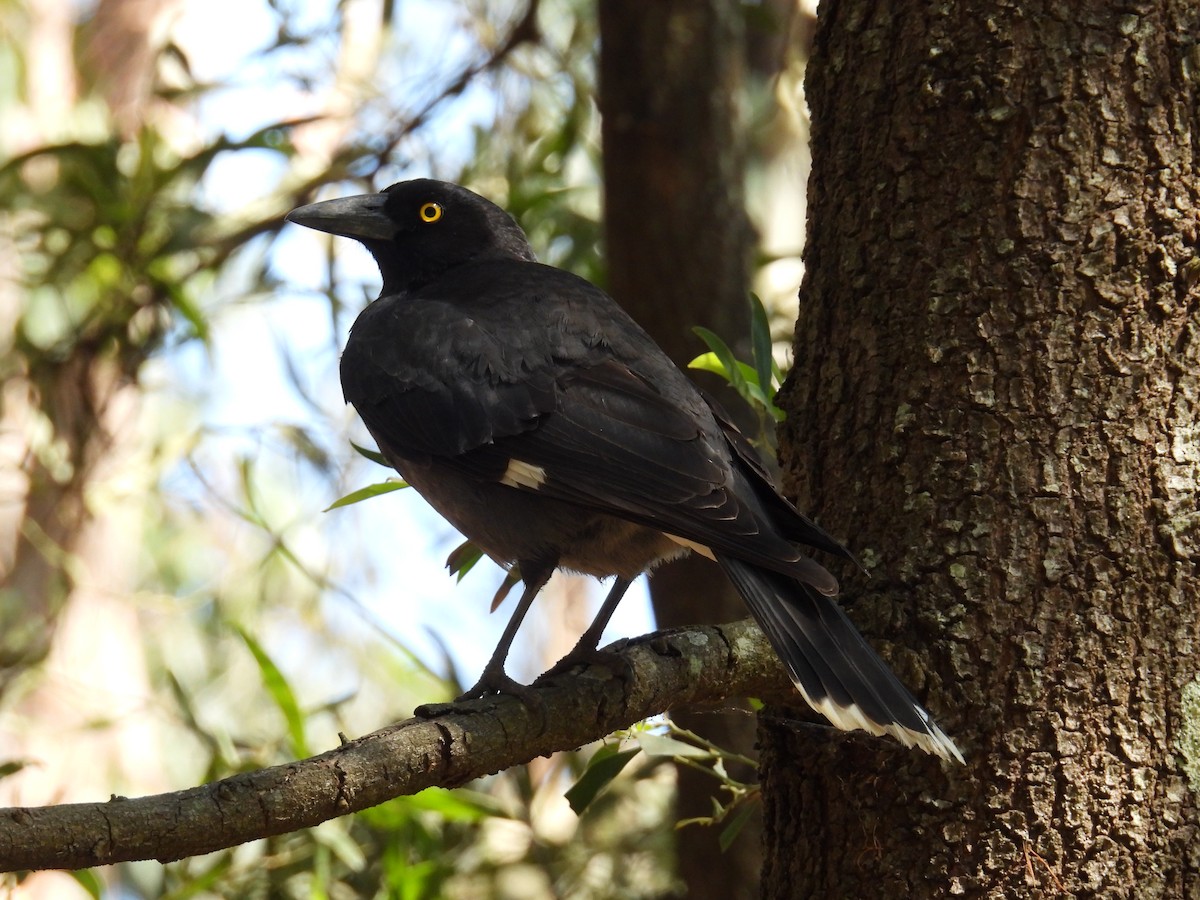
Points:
(1188, 741)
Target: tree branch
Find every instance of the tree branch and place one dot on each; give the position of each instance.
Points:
(699, 666)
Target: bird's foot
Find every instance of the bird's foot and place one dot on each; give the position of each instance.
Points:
(492, 682)
(615, 663)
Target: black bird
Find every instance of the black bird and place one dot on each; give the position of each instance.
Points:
(534, 414)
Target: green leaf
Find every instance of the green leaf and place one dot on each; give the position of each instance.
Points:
(90, 882)
(710, 362)
(730, 832)
(463, 558)
(455, 805)
(767, 403)
(605, 765)
(733, 370)
(12, 767)
(371, 490)
(281, 692)
(663, 745)
(373, 455)
(761, 344)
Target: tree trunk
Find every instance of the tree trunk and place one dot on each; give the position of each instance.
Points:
(678, 248)
(997, 393)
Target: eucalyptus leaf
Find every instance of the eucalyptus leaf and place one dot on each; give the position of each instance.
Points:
(281, 692)
(663, 745)
(605, 765)
(371, 490)
(761, 345)
(730, 832)
(373, 455)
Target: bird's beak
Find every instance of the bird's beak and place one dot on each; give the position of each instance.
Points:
(360, 217)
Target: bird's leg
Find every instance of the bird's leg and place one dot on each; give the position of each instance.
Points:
(494, 679)
(585, 650)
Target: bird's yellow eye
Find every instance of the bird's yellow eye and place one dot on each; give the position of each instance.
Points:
(430, 212)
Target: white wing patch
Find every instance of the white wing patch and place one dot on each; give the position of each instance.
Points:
(523, 475)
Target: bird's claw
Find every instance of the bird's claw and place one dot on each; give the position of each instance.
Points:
(434, 710)
(615, 663)
(489, 684)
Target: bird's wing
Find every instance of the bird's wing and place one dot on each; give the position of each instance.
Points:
(617, 443)
(792, 523)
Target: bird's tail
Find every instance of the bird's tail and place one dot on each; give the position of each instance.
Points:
(831, 664)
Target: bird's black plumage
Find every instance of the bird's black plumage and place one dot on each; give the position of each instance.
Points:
(536, 416)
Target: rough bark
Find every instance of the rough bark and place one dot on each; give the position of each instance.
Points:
(668, 670)
(997, 392)
(678, 245)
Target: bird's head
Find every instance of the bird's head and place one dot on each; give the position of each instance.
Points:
(420, 229)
